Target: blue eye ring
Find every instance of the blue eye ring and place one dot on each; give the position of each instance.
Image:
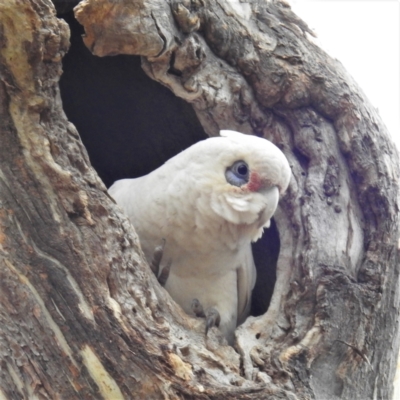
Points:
(238, 173)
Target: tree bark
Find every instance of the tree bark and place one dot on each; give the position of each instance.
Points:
(81, 314)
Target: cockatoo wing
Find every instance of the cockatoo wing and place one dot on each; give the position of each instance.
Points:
(246, 279)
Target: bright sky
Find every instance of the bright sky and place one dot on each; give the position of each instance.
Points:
(365, 37)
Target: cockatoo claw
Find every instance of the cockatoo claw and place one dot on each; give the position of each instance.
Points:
(213, 318)
(162, 279)
(155, 264)
(212, 315)
(198, 309)
(157, 256)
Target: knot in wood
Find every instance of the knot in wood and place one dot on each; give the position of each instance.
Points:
(331, 181)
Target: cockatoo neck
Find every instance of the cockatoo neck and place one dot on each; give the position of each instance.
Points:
(246, 212)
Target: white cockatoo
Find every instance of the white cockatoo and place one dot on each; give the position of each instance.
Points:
(209, 203)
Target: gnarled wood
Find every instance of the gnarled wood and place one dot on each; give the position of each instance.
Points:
(82, 316)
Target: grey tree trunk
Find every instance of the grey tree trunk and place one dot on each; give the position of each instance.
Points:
(81, 314)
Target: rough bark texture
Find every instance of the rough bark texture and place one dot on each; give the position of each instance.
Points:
(82, 316)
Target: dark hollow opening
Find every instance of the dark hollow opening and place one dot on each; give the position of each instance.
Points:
(265, 254)
(131, 125)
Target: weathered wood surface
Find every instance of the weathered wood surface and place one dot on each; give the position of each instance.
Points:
(82, 316)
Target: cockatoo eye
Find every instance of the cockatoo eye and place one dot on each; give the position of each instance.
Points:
(237, 174)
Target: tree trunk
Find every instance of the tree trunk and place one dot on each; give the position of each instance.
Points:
(83, 317)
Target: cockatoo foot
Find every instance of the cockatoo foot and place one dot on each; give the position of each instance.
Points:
(155, 264)
(213, 318)
(211, 315)
(163, 277)
(198, 309)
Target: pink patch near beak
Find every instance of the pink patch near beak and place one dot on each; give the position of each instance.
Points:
(254, 182)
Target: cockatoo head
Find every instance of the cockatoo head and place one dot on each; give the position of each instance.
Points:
(243, 175)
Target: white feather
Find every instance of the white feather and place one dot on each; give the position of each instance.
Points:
(208, 223)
